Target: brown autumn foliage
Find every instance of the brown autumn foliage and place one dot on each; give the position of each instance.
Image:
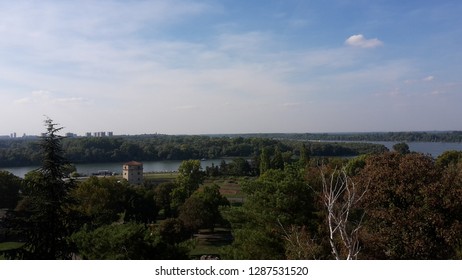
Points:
(413, 208)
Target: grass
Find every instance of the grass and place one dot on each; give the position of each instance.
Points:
(160, 176)
(230, 187)
(5, 246)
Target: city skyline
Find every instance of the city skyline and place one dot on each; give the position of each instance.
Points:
(219, 67)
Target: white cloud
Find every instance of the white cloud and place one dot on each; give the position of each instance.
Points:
(45, 97)
(361, 42)
(428, 79)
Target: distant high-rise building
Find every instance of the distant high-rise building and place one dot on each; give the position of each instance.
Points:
(110, 134)
(88, 134)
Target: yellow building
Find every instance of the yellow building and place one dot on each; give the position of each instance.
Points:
(133, 172)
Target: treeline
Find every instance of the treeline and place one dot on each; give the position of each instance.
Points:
(443, 136)
(166, 147)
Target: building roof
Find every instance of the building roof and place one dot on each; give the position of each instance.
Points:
(133, 163)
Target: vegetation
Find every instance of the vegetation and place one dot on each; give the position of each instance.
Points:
(413, 136)
(164, 147)
(282, 203)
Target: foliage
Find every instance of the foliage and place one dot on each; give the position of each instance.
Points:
(10, 186)
(173, 231)
(412, 136)
(299, 244)
(25, 152)
(276, 200)
(401, 148)
(449, 158)
(201, 210)
(124, 242)
(106, 200)
(412, 209)
(48, 219)
(163, 197)
(190, 176)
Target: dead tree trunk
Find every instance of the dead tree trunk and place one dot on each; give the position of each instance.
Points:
(340, 196)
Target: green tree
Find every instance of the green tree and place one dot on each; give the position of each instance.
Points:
(304, 156)
(194, 215)
(129, 241)
(265, 160)
(49, 219)
(10, 186)
(173, 231)
(239, 167)
(277, 162)
(163, 197)
(202, 209)
(449, 158)
(190, 177)
(276, 201)
(106, 200)
(401, 148)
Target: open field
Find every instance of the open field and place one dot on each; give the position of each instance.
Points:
(230, 187)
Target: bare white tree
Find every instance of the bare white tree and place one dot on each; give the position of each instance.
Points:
(299, 244)
(340, 196)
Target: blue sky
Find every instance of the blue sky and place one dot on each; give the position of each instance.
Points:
(231, 66)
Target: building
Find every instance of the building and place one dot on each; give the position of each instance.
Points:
(133, 172)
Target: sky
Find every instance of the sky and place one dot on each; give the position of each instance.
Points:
(230, 66)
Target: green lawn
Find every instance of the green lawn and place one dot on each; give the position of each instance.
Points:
(5, 246)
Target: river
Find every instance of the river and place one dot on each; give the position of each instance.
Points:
(90, 168)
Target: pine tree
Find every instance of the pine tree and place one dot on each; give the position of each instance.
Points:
(47, 224)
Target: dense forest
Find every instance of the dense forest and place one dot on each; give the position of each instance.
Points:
(439, 136)
(291, 205)
(24, 152)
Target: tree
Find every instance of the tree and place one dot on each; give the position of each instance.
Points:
(106, 200)
(49, 220)
(304, 156)
(341, 196)
(201, 210)
(194, 215)
(276, 201)
(130, 241)
(277, 162)
(173, 231)
(239, 167)
(265, 160)
(9, 189)
(412, 208)
(449, 158)
(163, 197)
(401, 148)
(190, 177)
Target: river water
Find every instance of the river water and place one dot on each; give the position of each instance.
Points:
(432, 148)
(90, 168)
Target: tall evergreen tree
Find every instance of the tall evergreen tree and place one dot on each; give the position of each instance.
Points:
(265, 160)
(304, 156)
(47, 222)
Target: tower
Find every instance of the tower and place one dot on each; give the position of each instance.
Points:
(133, 172)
